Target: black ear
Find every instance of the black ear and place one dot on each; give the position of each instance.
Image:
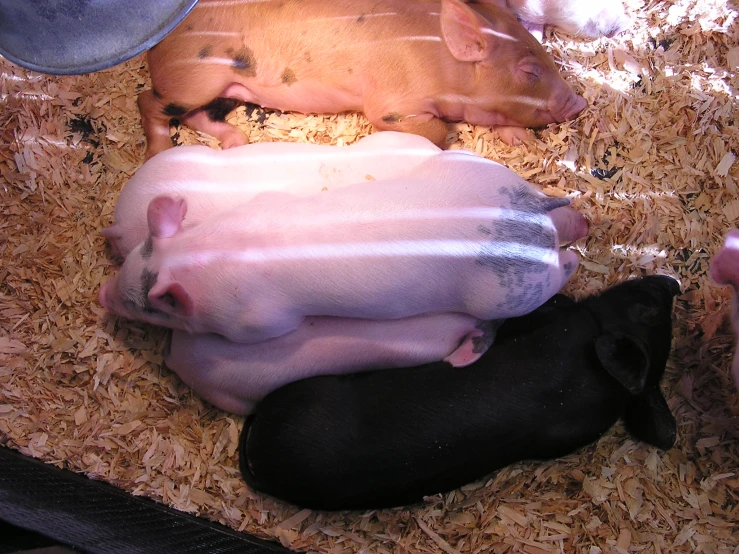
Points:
(649, 419)
(625, 358)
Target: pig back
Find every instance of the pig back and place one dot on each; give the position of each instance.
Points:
(391, 249)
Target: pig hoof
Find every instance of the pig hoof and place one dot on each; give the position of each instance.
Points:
(474, 345)
(233, 140)
(514, 136)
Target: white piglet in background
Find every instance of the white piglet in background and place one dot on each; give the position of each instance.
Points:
(585, 18)
(212, 181)
(725, 271)
(464, 234)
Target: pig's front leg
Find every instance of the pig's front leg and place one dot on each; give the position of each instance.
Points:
(211, 120)
(409, 121)
(514, 136)
(475, 344)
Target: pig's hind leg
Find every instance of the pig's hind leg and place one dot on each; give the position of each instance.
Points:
(207, 116)
(211, 120)
(155, 118)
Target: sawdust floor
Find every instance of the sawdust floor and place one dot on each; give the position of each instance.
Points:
(86, 391)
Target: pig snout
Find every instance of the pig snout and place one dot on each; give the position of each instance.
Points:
(566, 105)
(571, 225)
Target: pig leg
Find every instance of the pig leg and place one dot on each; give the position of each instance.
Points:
(571, 225)
(474, 345)
(425, 124)
(514, 136)
(211, 120)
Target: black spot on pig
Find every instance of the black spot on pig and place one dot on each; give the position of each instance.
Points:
(392, 118)
(350, 71)
(148, 248)
(173, 110)
(512, 237)
(244, 61)
(307, 57)
(256, 113)
(205, 52)
(218, 109)
(360, 19)
(288, 76)
(481, 344)
(148, 280)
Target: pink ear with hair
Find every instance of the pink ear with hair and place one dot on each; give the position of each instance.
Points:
(462, 31)
(165, 216)
(171, 298)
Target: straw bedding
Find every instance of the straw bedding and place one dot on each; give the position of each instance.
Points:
(651, 162)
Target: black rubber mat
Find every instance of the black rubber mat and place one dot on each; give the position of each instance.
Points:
(98, 518)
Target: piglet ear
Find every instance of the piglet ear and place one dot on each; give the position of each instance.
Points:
(462, 30)
(165, 216)
(171, 298)
(625, 358)
(649, 419)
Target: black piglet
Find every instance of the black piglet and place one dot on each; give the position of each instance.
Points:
(554, 380)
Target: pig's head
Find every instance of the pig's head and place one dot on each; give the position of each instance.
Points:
(516, 82)
(633, 345)
(140, 290)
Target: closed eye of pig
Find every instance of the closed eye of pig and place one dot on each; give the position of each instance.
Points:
(409, 65)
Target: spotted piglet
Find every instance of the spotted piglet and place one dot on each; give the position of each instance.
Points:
(409, 65)
(462, 235)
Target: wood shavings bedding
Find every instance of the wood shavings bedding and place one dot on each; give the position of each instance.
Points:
(651, 162)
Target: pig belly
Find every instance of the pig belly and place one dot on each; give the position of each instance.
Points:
(215, 180)
(234, 377)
